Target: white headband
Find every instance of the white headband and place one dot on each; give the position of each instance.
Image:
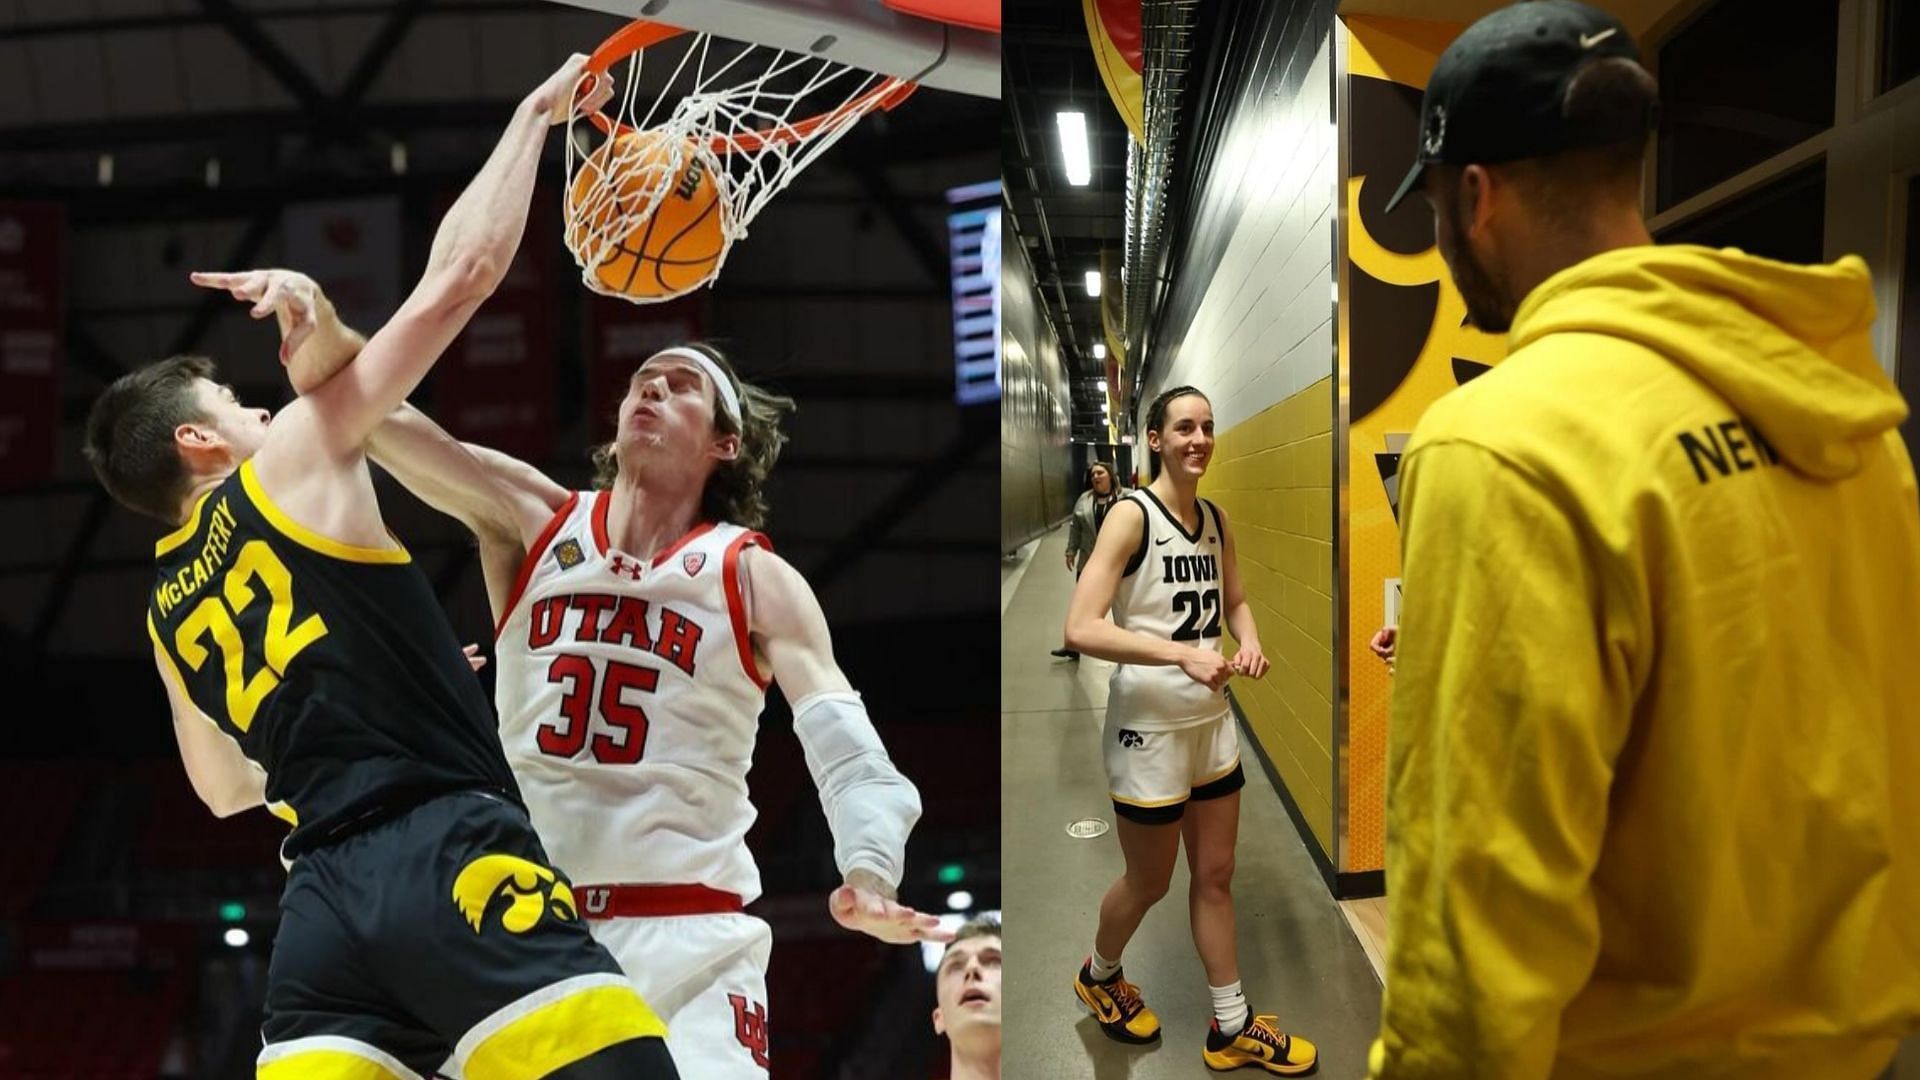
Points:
(723, 386)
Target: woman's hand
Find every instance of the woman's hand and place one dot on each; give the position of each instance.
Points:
(1206, 667)
(1250, 661)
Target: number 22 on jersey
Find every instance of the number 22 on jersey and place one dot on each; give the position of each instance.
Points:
(216, 617)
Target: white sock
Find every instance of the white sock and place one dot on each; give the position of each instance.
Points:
(1102, 968)
(1230, 1007)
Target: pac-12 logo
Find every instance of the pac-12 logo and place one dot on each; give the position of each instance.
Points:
(750, 1027)
(692, 563)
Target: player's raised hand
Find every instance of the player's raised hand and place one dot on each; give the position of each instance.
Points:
(571, 91)
(295, 300)
(871, 913)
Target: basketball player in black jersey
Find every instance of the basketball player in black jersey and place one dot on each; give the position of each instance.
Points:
(309, 668)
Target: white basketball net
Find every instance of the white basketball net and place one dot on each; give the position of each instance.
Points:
(745, 111)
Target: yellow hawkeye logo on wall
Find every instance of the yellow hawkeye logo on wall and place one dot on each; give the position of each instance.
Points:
(531, 890)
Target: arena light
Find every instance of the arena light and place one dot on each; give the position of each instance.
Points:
(952, 874)
(1073, 147)
(233, 911)
(1100, 353)
(1093, 283)
(237, 937)
(959, 900)
(1102, 384)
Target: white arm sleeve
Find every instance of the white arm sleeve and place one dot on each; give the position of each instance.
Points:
(870, 806)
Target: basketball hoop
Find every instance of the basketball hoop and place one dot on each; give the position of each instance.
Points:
(653, 209)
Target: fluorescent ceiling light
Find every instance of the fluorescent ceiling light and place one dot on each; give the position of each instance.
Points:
(1100, 353)
(1073, 147)
(1103, 386)
(1093, 283)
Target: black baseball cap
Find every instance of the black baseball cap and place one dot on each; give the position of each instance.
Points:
(1497, 91)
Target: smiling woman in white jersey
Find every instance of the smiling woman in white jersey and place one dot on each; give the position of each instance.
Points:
(639, 626)
(1163, 566)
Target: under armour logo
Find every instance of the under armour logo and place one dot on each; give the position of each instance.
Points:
(619, 565)
(750, 1027)
(1132, 740)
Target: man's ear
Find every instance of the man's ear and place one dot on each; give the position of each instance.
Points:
(939, 1024)
(197, 439)
(727, 448)
(1475, 198)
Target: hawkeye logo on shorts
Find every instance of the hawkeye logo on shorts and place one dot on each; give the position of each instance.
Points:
(568, 554)
(1132, 740)
(530, 890)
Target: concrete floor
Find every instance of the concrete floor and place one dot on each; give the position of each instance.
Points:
(1298, 957)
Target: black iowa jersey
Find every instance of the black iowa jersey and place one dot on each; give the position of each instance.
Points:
(333, 666)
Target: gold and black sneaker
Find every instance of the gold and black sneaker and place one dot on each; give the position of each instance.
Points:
(1116, 1005)
(1262, 1044)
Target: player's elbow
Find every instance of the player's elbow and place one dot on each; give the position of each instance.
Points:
(1076, 634)
(466, 279)
(225, 802)
(226, 796)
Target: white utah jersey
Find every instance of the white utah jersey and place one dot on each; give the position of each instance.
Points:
(629, 700)
(1170, 589)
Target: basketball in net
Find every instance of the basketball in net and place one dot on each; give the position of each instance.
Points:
(647, 253)
(676, 174)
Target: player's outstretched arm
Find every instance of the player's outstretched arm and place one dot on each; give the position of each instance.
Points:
(502, 500)
(471, 251)
(495, 495)
(220, 774)
(870, 807)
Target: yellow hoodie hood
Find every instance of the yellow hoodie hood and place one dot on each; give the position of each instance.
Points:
(1788, 346)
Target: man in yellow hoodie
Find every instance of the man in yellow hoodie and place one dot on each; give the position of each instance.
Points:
(1654, 771)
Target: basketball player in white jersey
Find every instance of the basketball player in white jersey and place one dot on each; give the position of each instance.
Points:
(1163, 566)
(638, 626)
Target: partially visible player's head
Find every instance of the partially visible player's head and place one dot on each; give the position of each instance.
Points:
(967, 989)
(1533, 137)
(157, 432)
(1180, 432)
(1100, 477)
(686, 408)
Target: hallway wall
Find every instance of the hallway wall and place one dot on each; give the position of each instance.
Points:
(1035, 425)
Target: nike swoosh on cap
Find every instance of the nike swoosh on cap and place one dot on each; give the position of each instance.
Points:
(1588, 41)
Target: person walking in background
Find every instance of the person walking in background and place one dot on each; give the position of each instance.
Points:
(1164, 569)
(1089, 513)
(1651, 807)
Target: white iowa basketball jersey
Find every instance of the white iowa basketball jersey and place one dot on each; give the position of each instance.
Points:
(629, 701)
(1171, 589)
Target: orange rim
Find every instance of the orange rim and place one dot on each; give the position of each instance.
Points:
(641, 34)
